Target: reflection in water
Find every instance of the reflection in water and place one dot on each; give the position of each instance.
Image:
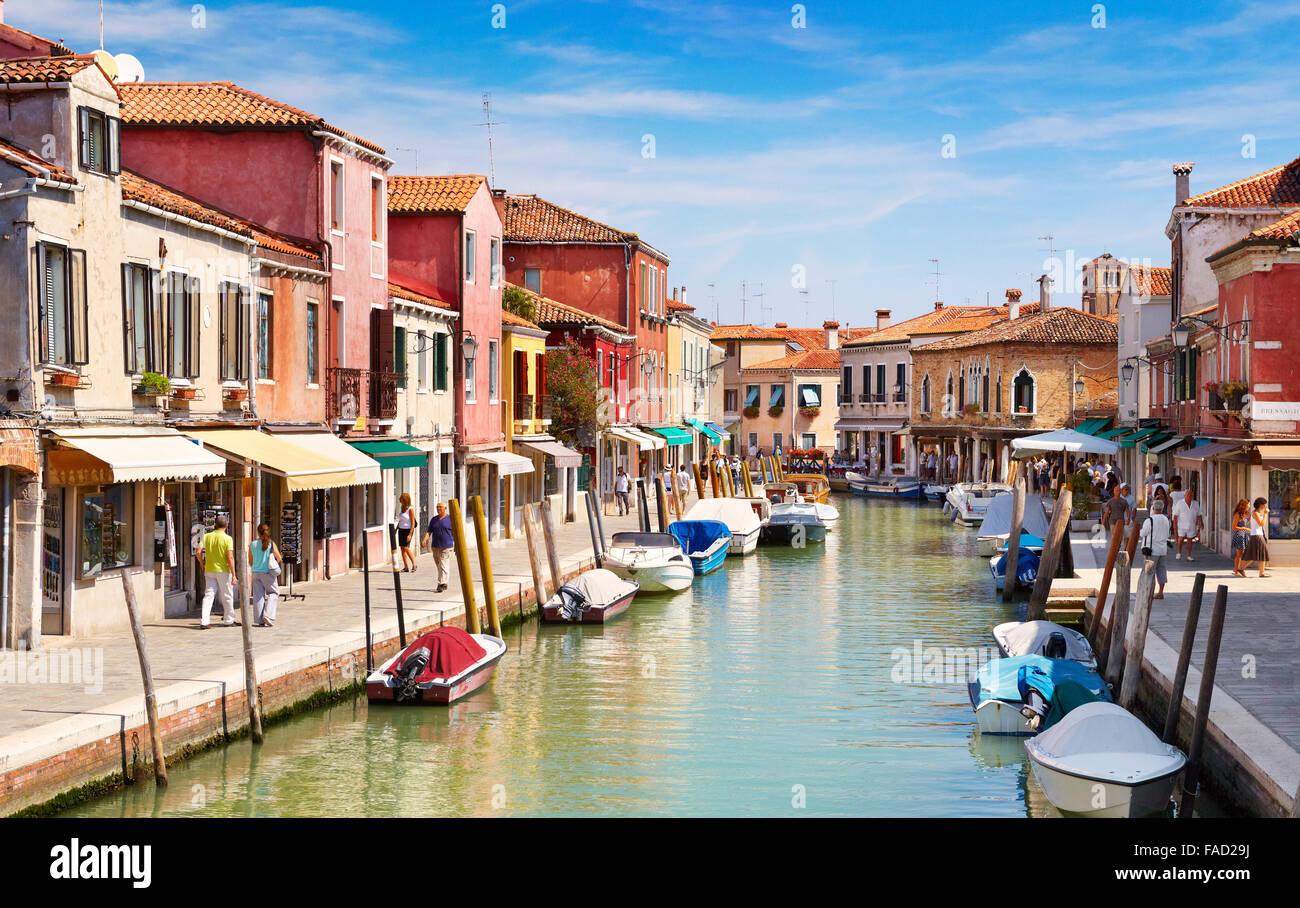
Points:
(770, 674)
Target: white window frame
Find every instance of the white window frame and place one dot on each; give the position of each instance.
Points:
(469, 259)
(338, 211)
(494, 262)
(494, 371)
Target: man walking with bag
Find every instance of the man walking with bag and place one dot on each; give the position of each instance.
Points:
(219, 572)
(439, 533)
(1154, 540)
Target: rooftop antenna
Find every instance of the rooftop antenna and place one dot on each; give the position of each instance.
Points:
(487, 109)
(832, 282)
(742, 303)
(414, 151)
(101, 24)
(936, 279)
(717, 313)
(763, 308)
(807, 301)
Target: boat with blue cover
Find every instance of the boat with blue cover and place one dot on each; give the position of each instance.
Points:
(705, 542)
(1031, 548)
(1004, 687)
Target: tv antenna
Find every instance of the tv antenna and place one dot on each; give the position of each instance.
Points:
(416, 153)
(487, 110)
(937, 273)
(717, 313)
(832, 282)
(807, 301)
(763, 308)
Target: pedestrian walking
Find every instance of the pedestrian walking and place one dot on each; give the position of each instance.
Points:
(1187, 523)
(1240, 536)
(1154, 539)
(622, 485)
(1116, 509)
(218, 573)
(264, 562)
(682, 487)
(1257, 545)
(439, 534)
(405, 529)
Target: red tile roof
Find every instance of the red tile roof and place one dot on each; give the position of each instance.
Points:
(554, 313)
(530, 219)
(415, 296)
(47, 69)
(509, 318)
(1276, 188)
(32, 164)
(948, 320)
(1055, 326)
(679, 306)
(745, 332)
(217, 105)
(807, 361)
(1152, 280)
(432, 195)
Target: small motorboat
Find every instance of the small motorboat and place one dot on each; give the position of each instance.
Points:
(438, 667)
(814, 487)
(654, 560)
(794, 524)
(828, 514)
(1101, 761)
(592, 597)
(996, 526)
(1043, 638)
(739, 517)
(891, 487)
(934, 491)
(1011, 696)
(1026, 566)
(705, 542)
(782, 492)
(857, 482)
(967, 501)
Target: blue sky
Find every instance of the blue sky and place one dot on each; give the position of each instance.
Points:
(776, 147)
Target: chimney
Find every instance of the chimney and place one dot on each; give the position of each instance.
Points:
(882, 319)
(781, 325)
(1182, 181)
(498, 200)
(683, 294)
(832, 334)
(937, 305)
(1013, 303)
(1044, 293)
(674, 294)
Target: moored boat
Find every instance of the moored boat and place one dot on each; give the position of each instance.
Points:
(654, 560)
(1102, 761)
(592, 597)
(857, 481)
(794, 524)
(1003, 688)
(968, 500)
(705, 542)
(891, 487)
(739, 517)
(934, 491)
(437, 668)
(995, 528)
(1026, 565)
(1043, 638)
(813, 487)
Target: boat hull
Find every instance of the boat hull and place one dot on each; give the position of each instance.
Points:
(907, 491)
(656, 578)
(598, 614)
(1089, 797)
(705, 562)
(744, 543)
(787, 533)
(998, 717)
(379, 687)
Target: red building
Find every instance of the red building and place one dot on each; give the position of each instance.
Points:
(16, 43)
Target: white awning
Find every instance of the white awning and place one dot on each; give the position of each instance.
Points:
(637, 437)
(1167, 444)
(1202, 453)
(564, 457)
(507, 464)
(622, 435)
(142, 454)
(329, 445)
(1063, 440)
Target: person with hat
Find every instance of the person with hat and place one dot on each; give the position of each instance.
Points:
(1154, 539)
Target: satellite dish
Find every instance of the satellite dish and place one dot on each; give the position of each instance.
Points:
(129, 68)
(106, 63)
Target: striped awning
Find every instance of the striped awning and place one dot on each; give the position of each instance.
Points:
(717, 437)
(303, 470)
(129, 454)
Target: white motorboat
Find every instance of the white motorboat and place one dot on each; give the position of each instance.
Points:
(857, 482)
(967, 501)
(828, 514)
(439, 667)
(995, 529)
(1102, 761)
(1043, 638)
(1003, 688)
(739, 516)
(654, 560)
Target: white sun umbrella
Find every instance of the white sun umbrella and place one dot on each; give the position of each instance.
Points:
(1063, 440)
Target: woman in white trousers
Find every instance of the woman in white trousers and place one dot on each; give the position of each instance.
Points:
(264, 560)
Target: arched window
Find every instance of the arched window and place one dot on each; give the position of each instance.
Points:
(925, 393)
(984, 376)
(961, 388)
(998, 400)
(1022, 390)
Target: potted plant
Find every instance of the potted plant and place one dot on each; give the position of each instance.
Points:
(185, 393)
(776, 411)
(235, 394)
(751, 412)
(63, 379)
(971, 409)
(809, 412)
(153, 385)
(1233, 392)
(1082, 501)
(1214, 390)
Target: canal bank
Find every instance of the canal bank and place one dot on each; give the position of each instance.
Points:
(73, 712)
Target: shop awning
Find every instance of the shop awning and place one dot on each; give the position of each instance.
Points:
(723, 436)
(130, 454)
(1280, 457)
(507, 464)
(623, 435)
(303, 470)
(716, 437)
(1201, 453)
(1114, 434)
(1151, 440)
(564, 457)
(639, 438)
(1093, 426)
(18, 447)
(1165, 444)
(868, 425)
(673, 435)
(1129, 441)
(392, 454)
(330, 445)
(1063, 440)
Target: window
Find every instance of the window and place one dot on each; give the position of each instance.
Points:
(184, 321)
(880, 383)
(421, 344)
(470, 255)
(264, 335)
(777, 397)
(900, 375)
(751, 395)
(399, 355)
(866, 384)
(107, 525)
(336, 196)
(376, 209)
(533, 280)
(809, 440)
(494, 366)
(810, 395)
(1022, 389)
(846, 385)
(61, 274)
(313, 340)
(753, 439)
(643, 289)
(494, 262)
(141, 319)
(729, 400)
(925, 394)
(233, 320)
(101, 144)
(998, 400)
(440, 362)
(984, 377)
(374, 505)
(1283, 504)
(600, 367)
(776, 441)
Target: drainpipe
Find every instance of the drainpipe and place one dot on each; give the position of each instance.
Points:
(5, 561)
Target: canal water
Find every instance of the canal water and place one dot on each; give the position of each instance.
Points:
(779, 685)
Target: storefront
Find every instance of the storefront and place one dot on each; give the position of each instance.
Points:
(1275, 475)
(678, 441)
(497, 492)
(555, 476)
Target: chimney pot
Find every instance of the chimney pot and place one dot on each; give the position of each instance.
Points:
(1182, 181)
(938, 304)
(781, 325)
(882, 319)
(1044, 294)
(832, 334)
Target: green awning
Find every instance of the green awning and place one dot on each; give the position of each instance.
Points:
(1112, 434)
(1130, 441)
(1093, 426)
(673, 435)
(1153, 440)
(392, 454)
(715, 437)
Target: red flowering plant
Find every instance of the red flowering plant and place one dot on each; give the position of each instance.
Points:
(577, 404)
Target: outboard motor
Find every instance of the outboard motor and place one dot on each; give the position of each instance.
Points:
(1035, 707)
(572, 602)
(407, 688)
(1055, 647)
(1030, 682)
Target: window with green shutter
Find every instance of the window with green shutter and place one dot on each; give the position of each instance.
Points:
(399, 355)
(440, 362)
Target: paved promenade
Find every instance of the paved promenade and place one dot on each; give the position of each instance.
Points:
(1256, 704)
(193, 669)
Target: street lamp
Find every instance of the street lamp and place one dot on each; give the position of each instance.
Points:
(1182, 333)
(469, 347)
(1126, 371)
(1078, 387)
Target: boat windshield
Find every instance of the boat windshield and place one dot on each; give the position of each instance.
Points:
(646, 540)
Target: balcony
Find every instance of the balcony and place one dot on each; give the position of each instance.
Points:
(864, 398)
(361, 392)
(523, 407)
(544, 408)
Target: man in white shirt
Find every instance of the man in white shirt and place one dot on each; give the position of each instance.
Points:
(952, 465)
(1154, 540)
(1187, 523)
(621, 487)
(683, 487)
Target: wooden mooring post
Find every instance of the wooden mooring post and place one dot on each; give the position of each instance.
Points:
(713, 478)
(1184, 660)
(1013, 540)
(597, 543)
(243, 593)
(1116, 539)
(146, 676)
(463, 567)
(644, 517)
(394, 559)
(1135, 636)
(533, 535)
(1109, 663)
(661, 506)
(552, 549)
(485, 565)
(1056, 535)
(365, 584)
(1192, 772)
(699, 481)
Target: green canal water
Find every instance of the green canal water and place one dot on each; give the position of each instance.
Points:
(772, 683)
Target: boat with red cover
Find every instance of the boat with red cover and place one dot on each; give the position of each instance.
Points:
(438, 667)
(593, 597)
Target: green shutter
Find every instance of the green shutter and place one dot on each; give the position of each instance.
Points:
(399, 357)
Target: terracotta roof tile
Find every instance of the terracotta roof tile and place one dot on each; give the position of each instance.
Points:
(1055, 326)
(554, 313)
(745, 332)
(509, 318)
(1152, 280)
(1276, 188)
(32, 164)
(807, 361)
(432, 195)
(406, 293)
(46, 69)
(217, 105)
(530, 219)
(948, 320)
(679, 306)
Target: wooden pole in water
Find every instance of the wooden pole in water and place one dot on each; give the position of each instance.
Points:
(748, 481)
(365, 584)
(677, 505)
(644, 517)
(1135, 635)
(397, 583)
(1051, 555)
(1131, 545)
(600, 521)
(463, 568)
(1192, 772)
(552, 550)
(146, 675)
(533, 532)
(661, 512)
(1110, 662)
(485, 565)
(1184, 660)
(242, 592)
(597, 550)
(1116, 538)
(1013, 540)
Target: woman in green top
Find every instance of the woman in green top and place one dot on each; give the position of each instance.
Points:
(264, 560)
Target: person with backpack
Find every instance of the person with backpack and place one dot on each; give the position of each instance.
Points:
(1154, 539)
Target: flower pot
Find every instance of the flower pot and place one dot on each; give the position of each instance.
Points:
(236, 394)
(184, 393)
(62, 379)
